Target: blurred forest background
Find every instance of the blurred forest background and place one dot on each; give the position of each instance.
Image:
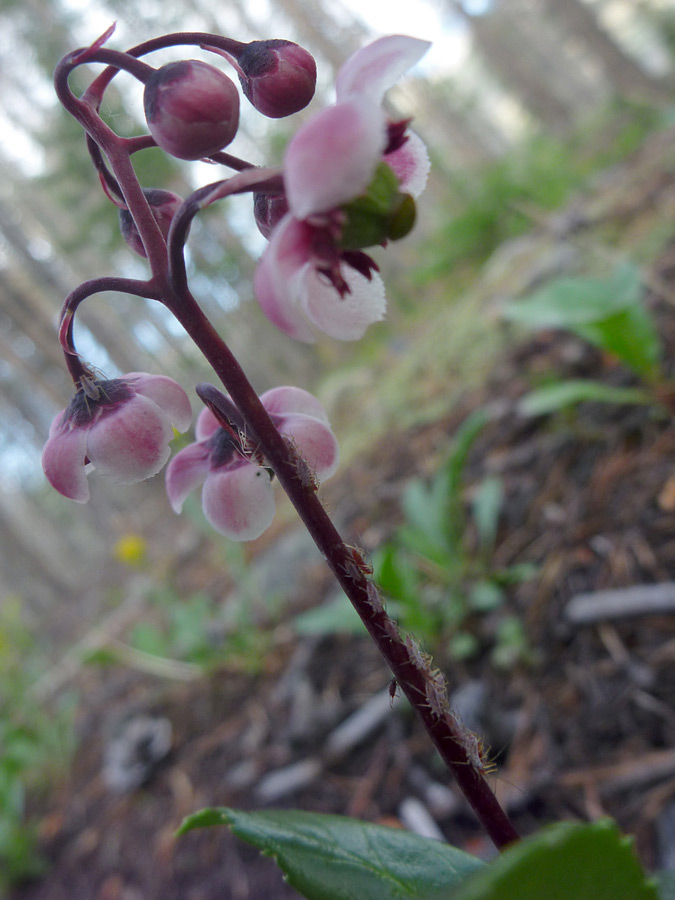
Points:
(528, 107)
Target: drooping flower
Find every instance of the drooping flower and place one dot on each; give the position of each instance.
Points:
(314, 273)
(121, 427)
(238, 496)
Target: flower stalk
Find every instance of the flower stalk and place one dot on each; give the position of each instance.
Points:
(315, 207)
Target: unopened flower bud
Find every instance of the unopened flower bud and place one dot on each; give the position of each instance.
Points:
(278, 77)
(163, 204)
(192, 109)
(268, 210)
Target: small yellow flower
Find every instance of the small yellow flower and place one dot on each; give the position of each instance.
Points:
(131, 549)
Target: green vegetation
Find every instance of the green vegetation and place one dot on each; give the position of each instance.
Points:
(608, 313)
(36, 745)
(437, 569)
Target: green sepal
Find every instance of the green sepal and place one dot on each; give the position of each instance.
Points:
(383, 213)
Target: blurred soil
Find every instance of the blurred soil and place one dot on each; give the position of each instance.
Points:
(587, 729)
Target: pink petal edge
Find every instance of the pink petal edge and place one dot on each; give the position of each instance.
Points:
(186, 471)
(372, 70)
(332, 158)
(166, 393)
(315, 442)
(63, 461)
(288, 399)
(278, 275)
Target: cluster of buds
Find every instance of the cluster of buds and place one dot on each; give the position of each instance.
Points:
(346, 185)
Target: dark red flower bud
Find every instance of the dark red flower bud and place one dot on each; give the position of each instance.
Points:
(268, 210)
(163, 204)
(278, 77)
(192, 109)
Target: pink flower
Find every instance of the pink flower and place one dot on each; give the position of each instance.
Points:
(238, 496)
(312, 275)
(121, 427)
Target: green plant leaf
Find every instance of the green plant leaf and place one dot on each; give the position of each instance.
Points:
(394, 573)
(631, 335)
(462, 645)
(453, 473)
(485, 596)
(571, 302)
(487, 505)
(338, 617)
(423, 510)
(562, 394)
(566, 861)
(335, 858)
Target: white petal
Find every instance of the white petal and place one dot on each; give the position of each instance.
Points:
(372, 70)
(345, 318)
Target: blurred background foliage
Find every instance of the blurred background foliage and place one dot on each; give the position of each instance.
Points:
(522, 106)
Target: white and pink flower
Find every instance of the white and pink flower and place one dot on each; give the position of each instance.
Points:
(238, 495)
(122, 428)
(307, 279)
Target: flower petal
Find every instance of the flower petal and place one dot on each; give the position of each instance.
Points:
(187, 469)
(372, 70)
(315, 442)
(410, 164)
(166, 393)
(344, 318)
(63, 460)
(278, 278)
(332, 158)
(239, 503)
(282, 401)
(131, 442)
(207, 424)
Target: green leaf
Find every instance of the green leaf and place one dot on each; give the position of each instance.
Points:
(424, 510)
(397, 577)
(453, 473)
(485, 596)
(335, 858)
(338, 617)
(487, 505)
(570, 302)
(149, 639)
(631, 335)
(566, 861)
(562, 394)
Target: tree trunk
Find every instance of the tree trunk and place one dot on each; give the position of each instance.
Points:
(623, 72)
